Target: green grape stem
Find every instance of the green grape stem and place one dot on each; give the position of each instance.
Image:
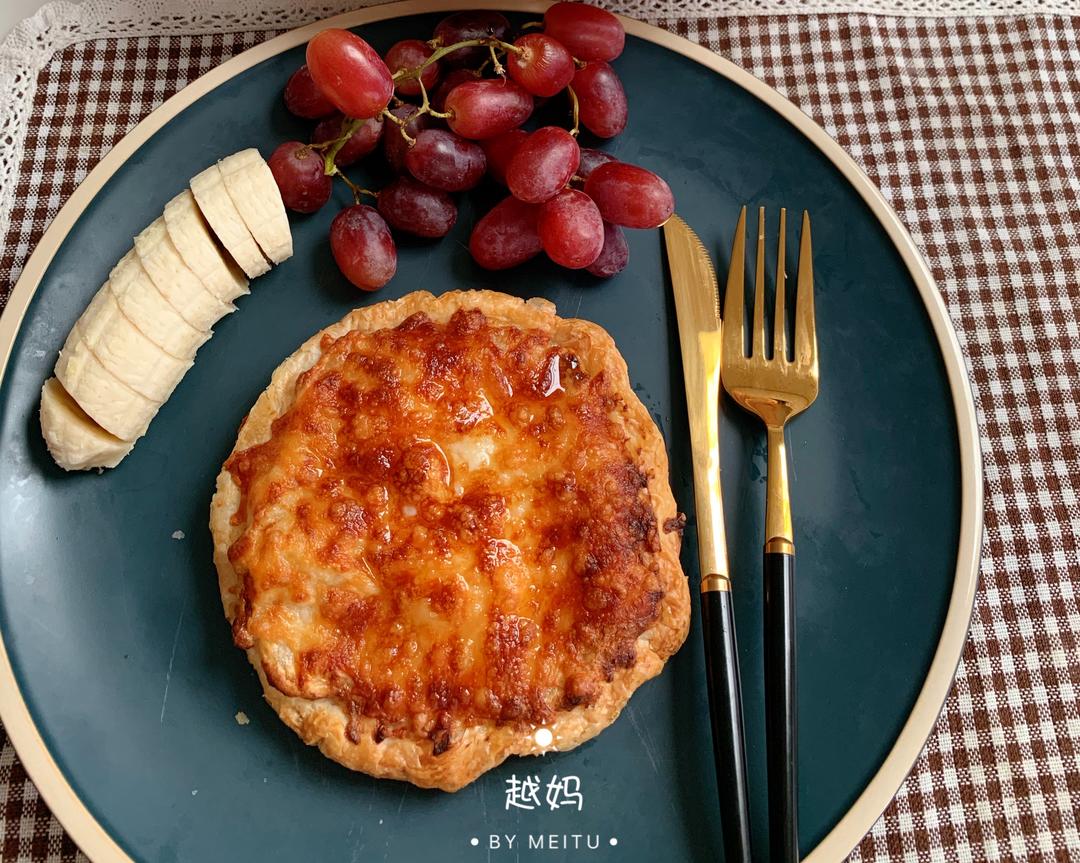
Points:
(496, 66)
(439, 53)
(402, 123)
(417, 73)
(576, 109)
(425, 105)
(332, 148)
(356, 190)
(348, 128)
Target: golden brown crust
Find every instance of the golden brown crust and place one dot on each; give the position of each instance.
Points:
(312, 706)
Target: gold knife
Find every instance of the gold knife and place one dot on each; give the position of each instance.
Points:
(697, 305)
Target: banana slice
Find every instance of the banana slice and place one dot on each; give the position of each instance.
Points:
(127, 354)
(254, 191)
(145, 307)
(221, 214)
(113, 405)
(191, 236)
(138, 336)
(75, 441)
(100, 315)
(175, 281)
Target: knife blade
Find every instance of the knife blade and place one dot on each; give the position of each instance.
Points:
(697, 306)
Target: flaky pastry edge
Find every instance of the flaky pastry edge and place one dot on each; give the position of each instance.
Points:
(478, 748)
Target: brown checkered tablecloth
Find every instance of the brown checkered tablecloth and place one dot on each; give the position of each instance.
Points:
(971, 128)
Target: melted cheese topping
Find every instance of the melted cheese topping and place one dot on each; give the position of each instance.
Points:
(447, 527)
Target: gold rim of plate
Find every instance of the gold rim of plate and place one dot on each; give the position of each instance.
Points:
(61, 798)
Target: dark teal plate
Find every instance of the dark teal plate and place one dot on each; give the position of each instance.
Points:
(126, 674)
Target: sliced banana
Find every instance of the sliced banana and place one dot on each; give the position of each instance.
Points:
(254, 191)
(175, 281)
(221, 214)
(139, 334)
(75, 441)
(113, 405)
(191, 236)
(100, 315)
(145, 307)
(128, 354)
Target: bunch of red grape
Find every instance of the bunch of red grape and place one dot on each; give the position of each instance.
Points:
(447, 113)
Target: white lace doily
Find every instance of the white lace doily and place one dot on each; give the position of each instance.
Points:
(59, 24)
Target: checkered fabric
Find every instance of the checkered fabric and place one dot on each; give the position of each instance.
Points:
(971, 128)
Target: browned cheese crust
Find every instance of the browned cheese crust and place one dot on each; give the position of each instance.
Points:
(445, 524)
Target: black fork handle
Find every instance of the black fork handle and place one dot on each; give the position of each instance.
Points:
(781, 703)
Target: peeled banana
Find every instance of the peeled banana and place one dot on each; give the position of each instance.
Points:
(221, 214)
(138, 336)
(254, 192)
(174, 281)
(73, 438)
(125, 352)
(191, 236)
(148, 310)
(113, 405)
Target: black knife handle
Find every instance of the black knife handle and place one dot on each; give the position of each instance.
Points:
(781, 707)
(725, 708)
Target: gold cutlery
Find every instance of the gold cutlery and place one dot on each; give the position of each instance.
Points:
(775, 389)
(697, 304)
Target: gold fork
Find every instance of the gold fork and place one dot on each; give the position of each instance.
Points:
(775, 389)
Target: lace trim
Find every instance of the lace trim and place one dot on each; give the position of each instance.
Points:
(59, 24)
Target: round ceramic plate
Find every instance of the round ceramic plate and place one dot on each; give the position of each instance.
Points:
(119, 682)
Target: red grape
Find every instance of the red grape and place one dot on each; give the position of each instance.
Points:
(470, 25)
(363, 248)
(543, 165)
(350, 72)
(363, 141)
(571, 230)
(591, 160)
(410, 54)
(484, 109)
(614, 255)
(410, 206)
(506, 236)
(630, 196)
(500, 150)
(394, 144)
(456, 76)
(298, 172)
(601, 99)
(304, 98)
(543, 67)
(588, 32)
(445, 161)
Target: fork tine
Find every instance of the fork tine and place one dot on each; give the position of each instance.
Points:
(759, 289)
(805, 333)
(779, 324)
(734, 341)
